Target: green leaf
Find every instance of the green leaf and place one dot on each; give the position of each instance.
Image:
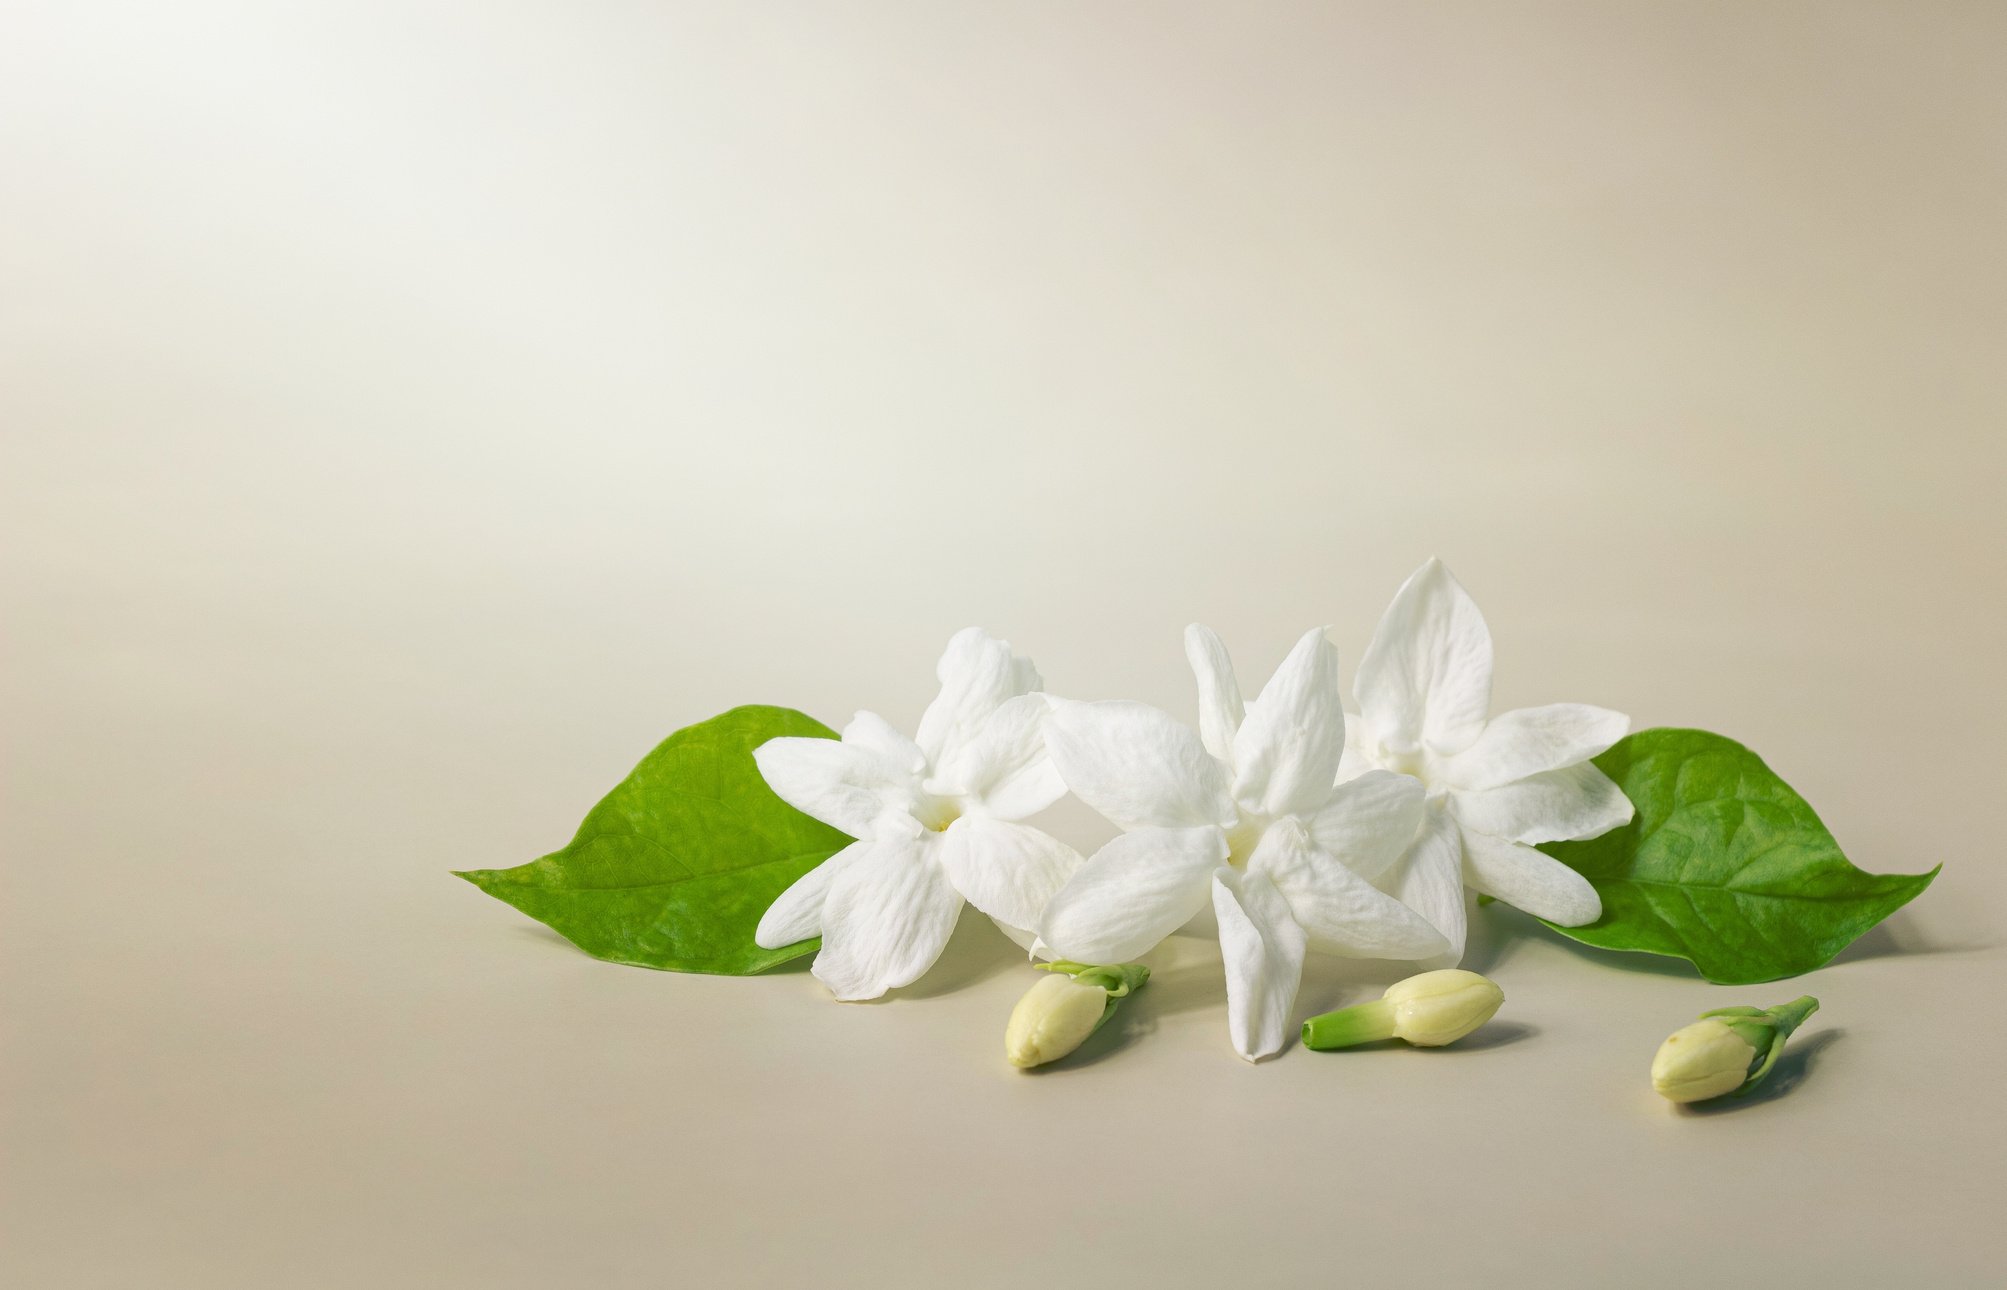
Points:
(1723, 865)
(675, 866)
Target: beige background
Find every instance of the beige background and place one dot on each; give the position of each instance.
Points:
(414, 411)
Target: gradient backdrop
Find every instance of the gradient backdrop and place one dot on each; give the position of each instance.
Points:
(411, 412)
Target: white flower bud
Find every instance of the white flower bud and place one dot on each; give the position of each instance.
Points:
(1429, 1010)
(1055, 1017)
(1438, 1008)
(1704, 1060)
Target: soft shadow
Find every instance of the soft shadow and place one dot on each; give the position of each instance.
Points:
(976, 952)
(1331, 982)
(1790, 1070)
(1128, 1025)
(1497, 931)
(1491, 939)
(538, 932)
(1183, 978)
(545, 936)
(1505, 929)
(1493, 1034)
(1898, 934)
(1180, 989)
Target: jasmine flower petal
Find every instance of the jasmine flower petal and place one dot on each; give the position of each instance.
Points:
(1531, 741)
(1358, 758)
(1136, 765)
(845, 785)
(1425, 681)
(1430, 880)
(1004, 762)
(797, 914)
(1132, 893)
(1263, 948)
(1574, 802)
(887, 918)
(1008, 871)
(1369, 821)
(1528, 880)
(1287, 749)
(978, 673)
(1220, 707)
(1339, 911)
(874, 733)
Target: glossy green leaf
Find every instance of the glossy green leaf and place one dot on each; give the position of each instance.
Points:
(675, 866)
(1723, 865)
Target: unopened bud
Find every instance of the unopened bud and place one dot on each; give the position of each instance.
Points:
(1728, 1050)
(1701, 1061)
(1430, 1010)
(1058, 1014)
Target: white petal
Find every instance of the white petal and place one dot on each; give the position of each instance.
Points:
(869, 731)
(842, 784)
(1528, 880)
(796, 913)
(1359, 745)
(1368, 822)
(1004, 764)
(1263, 949)
(1529, 741)
(1137, 765)
(1132, 893)
(977, 673)
(1430, 882)
(1575, 802)
(887, 918)
(1426, 678)
(1286, 752)
(1339, 911)
(1220, 706)
(1009, 871)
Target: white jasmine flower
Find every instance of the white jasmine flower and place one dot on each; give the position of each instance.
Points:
(1243, 816)
(1495, 785)
(933, 818)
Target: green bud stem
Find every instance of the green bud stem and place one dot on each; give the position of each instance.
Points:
(1790, 1016)
(1118, 979)
(1362, 1023)
(1765, 1030)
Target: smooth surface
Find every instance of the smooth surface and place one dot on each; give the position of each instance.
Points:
(413, 412)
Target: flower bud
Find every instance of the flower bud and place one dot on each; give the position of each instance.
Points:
(1729, 1050)
(1054, 1018)
(1438, 1008)
(1429, 1010)
(1058, 1014)
(1701, 1061)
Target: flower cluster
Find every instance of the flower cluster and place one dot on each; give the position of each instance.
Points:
(1295, 826)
